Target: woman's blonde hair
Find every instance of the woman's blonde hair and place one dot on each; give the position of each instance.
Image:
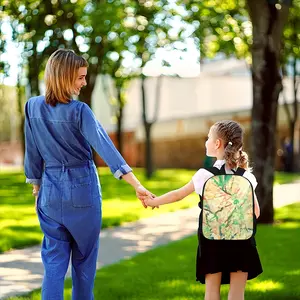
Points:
(231, 133)
(60, 75)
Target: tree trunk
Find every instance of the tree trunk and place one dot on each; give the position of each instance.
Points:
(33, 74)
(93, 71)
(290, 155)
(120, 120)
(298, 146)
(21, 118)
(86, 92)
(293, 127)
(267, 22)
(292, 145)
(148, 149)
(147, 127)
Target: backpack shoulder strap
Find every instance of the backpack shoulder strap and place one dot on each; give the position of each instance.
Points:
(222, 170)
(240, 171)
(213, 170)
(217, 171)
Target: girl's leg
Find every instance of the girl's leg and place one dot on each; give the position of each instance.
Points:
(212, 286)
(237, 285)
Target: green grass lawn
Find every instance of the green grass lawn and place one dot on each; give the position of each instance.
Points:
(19, 225)
(282, 177)
(168, 272)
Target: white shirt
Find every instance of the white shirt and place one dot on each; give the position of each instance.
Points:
(202, 175)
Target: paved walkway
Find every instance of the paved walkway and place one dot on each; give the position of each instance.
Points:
(22, 271)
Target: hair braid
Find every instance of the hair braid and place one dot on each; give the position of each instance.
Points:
(232, 135)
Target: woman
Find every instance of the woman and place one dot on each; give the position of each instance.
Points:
(59, 134)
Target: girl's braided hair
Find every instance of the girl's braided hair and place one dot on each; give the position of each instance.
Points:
(231, 133)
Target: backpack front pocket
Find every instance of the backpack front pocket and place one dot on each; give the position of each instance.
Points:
(81, 195)
(228, 208)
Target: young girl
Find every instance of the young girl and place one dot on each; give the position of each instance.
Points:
(221, 261)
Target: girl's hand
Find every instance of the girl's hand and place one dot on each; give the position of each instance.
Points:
(149, 201)
(142, 194)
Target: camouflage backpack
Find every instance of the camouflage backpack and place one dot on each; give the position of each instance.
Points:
(228, 206)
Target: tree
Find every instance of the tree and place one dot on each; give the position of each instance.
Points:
(115, 65)
(290, 59)
(44, 26)
(104, 30)
(268, 20)
(117, 96)
(4, 66)
(152, 21)
(94, 29)
(144, 31)
(21, 103)
(39, 27)
(224, 26)
(220, 27)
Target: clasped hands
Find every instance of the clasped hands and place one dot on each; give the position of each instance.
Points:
(145, 196)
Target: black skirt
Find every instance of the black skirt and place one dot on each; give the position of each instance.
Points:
(227, 256)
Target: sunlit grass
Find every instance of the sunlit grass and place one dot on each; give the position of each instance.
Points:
(168, 272)
(19, 225)
(290, 213)
(265, 286)
(282, 177)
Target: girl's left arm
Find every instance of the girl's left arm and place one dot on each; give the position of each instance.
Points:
(256, 207)
(172, 196)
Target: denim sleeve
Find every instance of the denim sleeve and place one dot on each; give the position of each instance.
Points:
(33, 162)
(97, 137)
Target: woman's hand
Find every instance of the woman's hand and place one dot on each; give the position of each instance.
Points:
(143, 193)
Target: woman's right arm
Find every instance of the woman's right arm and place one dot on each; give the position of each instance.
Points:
(97, 137)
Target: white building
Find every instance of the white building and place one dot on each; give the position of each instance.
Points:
(224, 89)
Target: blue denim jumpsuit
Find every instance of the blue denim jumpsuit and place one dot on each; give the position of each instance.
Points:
(58, 157)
